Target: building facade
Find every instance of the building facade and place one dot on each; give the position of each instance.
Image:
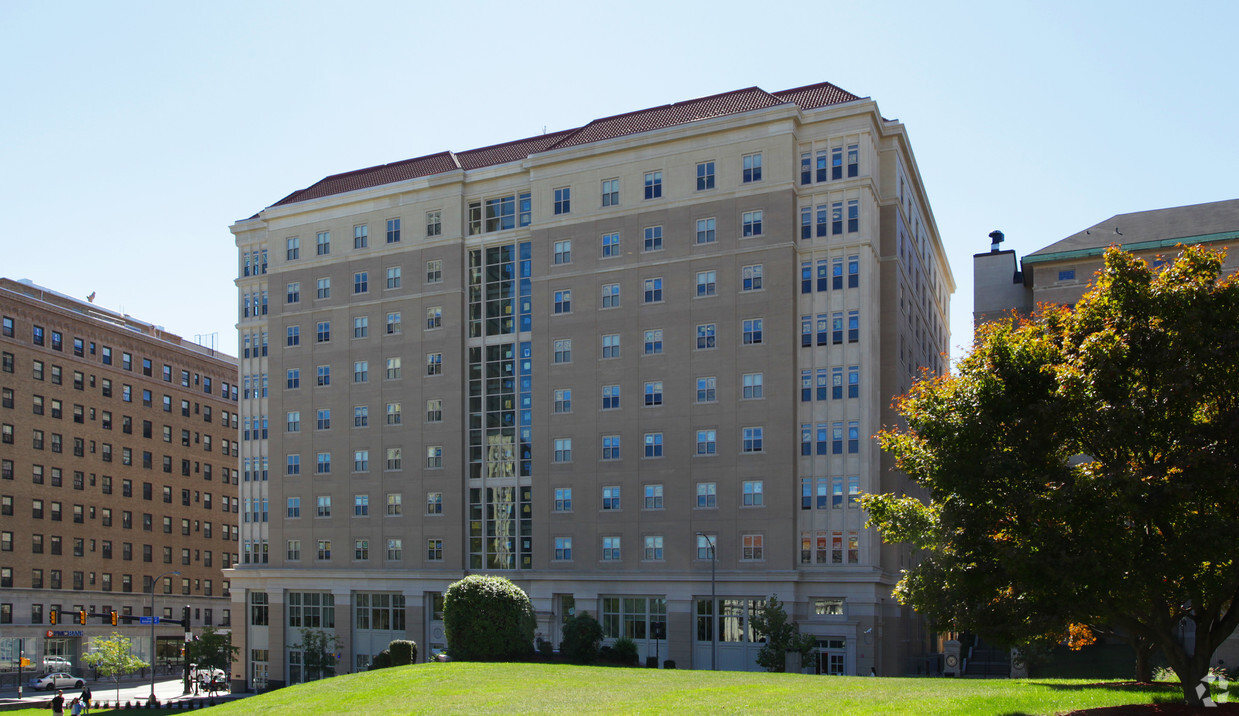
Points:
(629, 366)
(1061, 272)
(118, 449)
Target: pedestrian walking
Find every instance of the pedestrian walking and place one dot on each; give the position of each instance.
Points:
(86, 696)
(58, 703)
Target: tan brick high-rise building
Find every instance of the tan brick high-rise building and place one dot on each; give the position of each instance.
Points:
(118, 451)
(592, 361)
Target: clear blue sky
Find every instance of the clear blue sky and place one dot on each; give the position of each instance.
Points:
(133, 134)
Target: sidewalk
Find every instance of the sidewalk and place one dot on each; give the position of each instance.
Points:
(105, 691)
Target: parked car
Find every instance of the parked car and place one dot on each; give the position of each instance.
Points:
(59, 680)
(57, 663)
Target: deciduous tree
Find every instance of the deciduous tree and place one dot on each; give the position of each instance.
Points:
(1083, 466)
(113, 657)
(782, 636)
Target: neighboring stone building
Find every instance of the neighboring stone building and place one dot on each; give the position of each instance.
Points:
(1061, 272)
(119, 454)
(583, 360)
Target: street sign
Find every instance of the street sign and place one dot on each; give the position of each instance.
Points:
(148, 620)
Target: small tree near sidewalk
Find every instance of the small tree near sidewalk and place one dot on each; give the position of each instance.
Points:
(113, 658)
(212, 650)
(782, 636)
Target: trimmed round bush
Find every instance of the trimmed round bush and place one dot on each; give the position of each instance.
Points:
(381, 660)
(488, 619)
(624, 651)
(403, 651)
(582, 635)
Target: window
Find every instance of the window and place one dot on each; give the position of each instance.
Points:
(705, 336)
(391, 368)
(361, 326)
(707, 283)
(610, 245)
(563, 301)
(653, 238)
(751, 221)
(752, 385)
(610, 447)
(324, 331)
(293, 379)
(610, 192)
(707, 442)
(294, 507)
(323, 463)
(434, 410)
(434, 271)
(393, 323)
(707, 389)
(563, 450)
(1067, 275)
(434, 223)
(562, 252)
(752, 168)
(324, 288)
(394, 504)
(434, 457)
(361, 371)
(611, 346)
(361, 505)
(611, 549)
(563, 400)
(393, 414)
(361, 461)
(705, 231)
(610, 295)
(563, 350)
(707, 495)
(752, 331)
(752, 547)
(361, 282)
(653, 185)
(610, 397)
(323, 503)
(752, 439)
(434, 503)
(853, 216)
(293, 423)
(393, 231)
(563, 549)
(563, 499)
(434, 317)
(294, 292)
(611, 498)
(324, 375)
(653, 497)
(323, 243)
(653, 393)
(705, 176)
(654, 342)
(853, 436)
(751, 276)
(853, 160)
(361, 236)
(434, 364)
(563, 200)
(853, 326)
(653, 445)
(752, 493)
(324, 419)
(392, 274)
(434, 550)
(653, 290)
(292, 249)
(294, 336)
(854, 381)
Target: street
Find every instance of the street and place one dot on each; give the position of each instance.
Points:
(104, 690)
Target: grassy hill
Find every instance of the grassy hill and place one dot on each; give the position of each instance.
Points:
(544, 688)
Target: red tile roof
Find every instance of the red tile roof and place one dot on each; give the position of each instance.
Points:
(645, 120)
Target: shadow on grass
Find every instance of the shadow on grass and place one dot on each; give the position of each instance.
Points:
(1112, 686)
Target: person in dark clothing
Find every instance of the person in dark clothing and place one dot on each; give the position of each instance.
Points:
(58, 704)
(86, 697)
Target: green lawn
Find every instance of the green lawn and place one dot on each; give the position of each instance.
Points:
(541, 688)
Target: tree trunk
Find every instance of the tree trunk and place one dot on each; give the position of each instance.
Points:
(1191, 670)
(1144, 662)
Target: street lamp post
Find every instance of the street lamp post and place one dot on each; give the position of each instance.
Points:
(153, 583)
(714, 623)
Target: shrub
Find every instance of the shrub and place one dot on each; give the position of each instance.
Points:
(488, 619)
(545, 648)
(669, 664)
(403, 651)
(624, 651)
(382, 660)
(651, 662)
(582, 635)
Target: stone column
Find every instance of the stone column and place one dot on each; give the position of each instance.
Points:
(343, 599)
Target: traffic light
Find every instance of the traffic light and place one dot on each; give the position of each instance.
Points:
(81, 616)
(185, 617)
(113, 618)
(53, 614)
